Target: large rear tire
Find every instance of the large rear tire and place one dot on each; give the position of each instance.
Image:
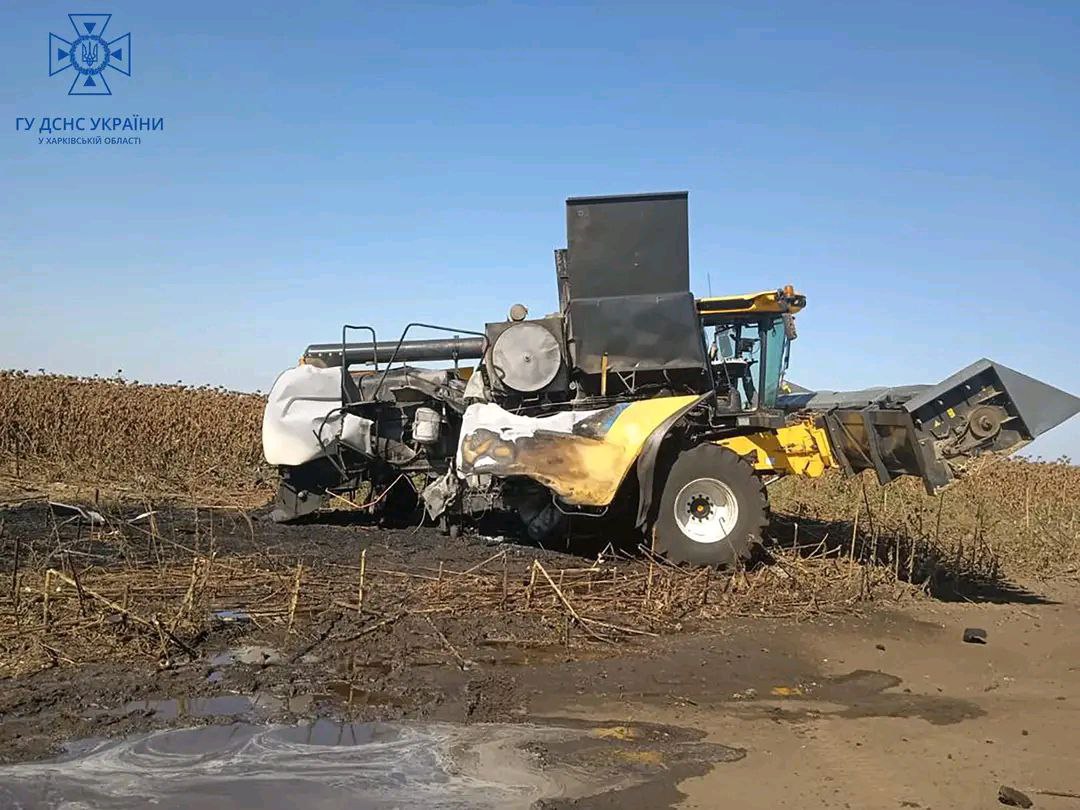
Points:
(713, 509)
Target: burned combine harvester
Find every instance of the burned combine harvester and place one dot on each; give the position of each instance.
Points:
(635, 399)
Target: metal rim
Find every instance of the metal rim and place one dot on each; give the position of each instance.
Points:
(706, 510)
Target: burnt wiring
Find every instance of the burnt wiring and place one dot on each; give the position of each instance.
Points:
(381, 495)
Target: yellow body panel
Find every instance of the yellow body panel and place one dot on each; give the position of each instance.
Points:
(796, 450)
(581, 469)
(749, 304)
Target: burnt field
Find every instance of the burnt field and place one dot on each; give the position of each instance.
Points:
(143, 585)
(114, 604)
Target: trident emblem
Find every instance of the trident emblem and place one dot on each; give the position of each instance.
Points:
(89, 54)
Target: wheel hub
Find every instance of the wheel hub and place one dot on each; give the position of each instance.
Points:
(706, 510)
(699, 507)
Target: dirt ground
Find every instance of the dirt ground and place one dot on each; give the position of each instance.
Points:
(888, 709)
(883, 706)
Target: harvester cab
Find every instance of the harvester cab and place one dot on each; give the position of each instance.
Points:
(634, 399)
(750, 345)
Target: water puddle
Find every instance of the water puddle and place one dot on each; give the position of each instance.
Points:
(192, 707)
(364, 766)
(222, 706)
(857, 694)
(253, 654)
(353, 696)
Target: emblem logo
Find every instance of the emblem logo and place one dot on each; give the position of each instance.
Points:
(90, 54)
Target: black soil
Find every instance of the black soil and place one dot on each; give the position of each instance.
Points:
(472, 668)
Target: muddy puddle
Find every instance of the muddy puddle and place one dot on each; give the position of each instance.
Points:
(219, 706)
(330, 764)
(857, 694)
(345, 693)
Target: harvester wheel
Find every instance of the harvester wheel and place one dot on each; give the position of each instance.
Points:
(713, 509)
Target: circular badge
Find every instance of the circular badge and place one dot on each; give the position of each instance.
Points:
(89, 55)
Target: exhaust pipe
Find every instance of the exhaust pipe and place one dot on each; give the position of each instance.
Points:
(936, 432)
(409, 351)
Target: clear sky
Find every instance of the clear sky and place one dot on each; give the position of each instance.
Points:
(912, 167)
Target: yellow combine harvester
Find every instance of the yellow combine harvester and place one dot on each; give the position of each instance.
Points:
(633, 399)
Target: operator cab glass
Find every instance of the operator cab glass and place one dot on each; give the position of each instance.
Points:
(750, 358)
(749, 339)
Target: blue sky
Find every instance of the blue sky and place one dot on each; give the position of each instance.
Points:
(910, 166)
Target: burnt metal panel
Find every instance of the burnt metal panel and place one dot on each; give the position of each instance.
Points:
(637, 332)
(627, 245)
(562, 278)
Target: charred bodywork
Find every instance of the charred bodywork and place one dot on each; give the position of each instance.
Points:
(634, 397)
